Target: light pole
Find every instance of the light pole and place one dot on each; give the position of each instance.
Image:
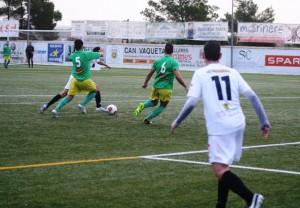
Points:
(232, 31)
(28, 21)
(127, 32)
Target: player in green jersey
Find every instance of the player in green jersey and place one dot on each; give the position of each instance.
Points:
(6, 54)
(82, 81)
(166, 68)
(65, 91)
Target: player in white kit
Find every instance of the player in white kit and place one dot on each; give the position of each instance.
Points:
(220, 87)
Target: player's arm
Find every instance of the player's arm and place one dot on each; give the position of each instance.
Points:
(189, 105)
(260, 111)
(179, 79)
(148, 77)
(104, 64)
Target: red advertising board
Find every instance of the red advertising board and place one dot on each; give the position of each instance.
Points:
(281, 60)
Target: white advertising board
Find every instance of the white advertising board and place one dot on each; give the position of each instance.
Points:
(245, 59)
(9, 28)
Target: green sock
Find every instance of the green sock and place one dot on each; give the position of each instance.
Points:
(156, 112)
(148, 104)
(62, 103)
(88, 98)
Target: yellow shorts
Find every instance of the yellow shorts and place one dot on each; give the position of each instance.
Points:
(6, 58)
(161, 94)
(85, 86)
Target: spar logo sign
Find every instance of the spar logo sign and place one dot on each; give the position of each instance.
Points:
(280, 60)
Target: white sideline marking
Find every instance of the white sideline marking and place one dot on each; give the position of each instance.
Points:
(272, 145)
(161, 157)
(205, 151)
(232, 166)
(177, 153)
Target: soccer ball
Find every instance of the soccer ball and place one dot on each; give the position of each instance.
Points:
(112, 109)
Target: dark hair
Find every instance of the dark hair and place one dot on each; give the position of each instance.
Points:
(212, 50)
(78, 44)
(169, 48)
(96, 49)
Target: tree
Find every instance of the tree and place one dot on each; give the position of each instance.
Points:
(9, 9)
(247, 11)
(180, 11)
(42, 15)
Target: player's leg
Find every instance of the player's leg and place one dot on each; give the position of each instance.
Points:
(87, 99)
(98, 101)
(237, 186)
(8, 61)
(74, 90)
(62, 103)
(142, 106)
(223, 191)
(164, 98)
(257, 199)
(56, 98)
(98, 98)
(223, 151)
(28, 60)
(5, 61)
(158, 110)
(90, 88)
(148, 103)
(31, 59)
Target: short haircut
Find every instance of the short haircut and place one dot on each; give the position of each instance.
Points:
(212, 50)
(78, 44)
(169, 48)
(96, 49)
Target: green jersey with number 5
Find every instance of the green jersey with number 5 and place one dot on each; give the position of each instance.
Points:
(164, 68)
(81, 64)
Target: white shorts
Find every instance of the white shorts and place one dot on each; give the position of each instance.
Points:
(67, 87)
(225, 149)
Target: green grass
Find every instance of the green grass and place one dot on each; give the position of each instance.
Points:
(29, 138)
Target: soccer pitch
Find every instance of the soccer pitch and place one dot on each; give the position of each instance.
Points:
(98, 160)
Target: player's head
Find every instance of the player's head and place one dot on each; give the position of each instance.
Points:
(168, 48)
(78, 44)
(212, 50)
(96, 49)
